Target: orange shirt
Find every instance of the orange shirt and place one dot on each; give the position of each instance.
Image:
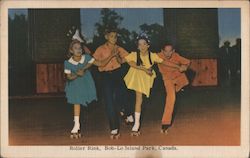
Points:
(169, 73)
(104, 51)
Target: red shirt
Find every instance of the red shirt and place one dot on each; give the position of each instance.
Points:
(104, 51)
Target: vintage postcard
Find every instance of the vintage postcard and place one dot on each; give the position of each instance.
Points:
(125, 79)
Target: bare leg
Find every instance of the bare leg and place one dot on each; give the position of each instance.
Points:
(138, 104)
(77, 109)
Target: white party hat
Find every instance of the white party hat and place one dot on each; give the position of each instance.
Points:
(76, 36)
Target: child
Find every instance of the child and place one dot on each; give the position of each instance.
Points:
(78, 36)
(174, 81)
(140, 77)
(114, 90)
(80, 87)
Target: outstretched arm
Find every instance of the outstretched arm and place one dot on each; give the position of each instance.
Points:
(103, 62)
(121, 54)
(95, 62)
(134, 65)
(185, 63)
(170, 64)
(119, 59)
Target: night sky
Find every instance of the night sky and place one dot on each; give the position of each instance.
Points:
(229, 20)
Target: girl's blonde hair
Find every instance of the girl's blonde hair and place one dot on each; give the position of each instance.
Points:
(72, 43)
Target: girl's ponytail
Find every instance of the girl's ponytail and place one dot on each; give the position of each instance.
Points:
(149, 57)
(138, 59)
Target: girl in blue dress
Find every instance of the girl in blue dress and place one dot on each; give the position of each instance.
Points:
(80, 87)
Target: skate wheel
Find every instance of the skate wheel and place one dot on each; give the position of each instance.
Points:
(113, 137)
(79, 135)
(135, 133)
(76, 136)
(117, 136)
(164, 131)
(138, 133)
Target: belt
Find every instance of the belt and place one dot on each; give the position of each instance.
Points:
(111, 71)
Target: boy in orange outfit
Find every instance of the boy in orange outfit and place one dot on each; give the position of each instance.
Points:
(174, 81)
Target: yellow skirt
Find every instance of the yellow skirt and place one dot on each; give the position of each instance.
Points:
(139, 81)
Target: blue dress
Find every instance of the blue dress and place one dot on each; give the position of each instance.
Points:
(81, 90)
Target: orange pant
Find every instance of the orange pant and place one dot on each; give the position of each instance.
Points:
(172, 86)
(170, 100)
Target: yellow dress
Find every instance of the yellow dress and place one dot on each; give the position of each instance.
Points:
(139, 80)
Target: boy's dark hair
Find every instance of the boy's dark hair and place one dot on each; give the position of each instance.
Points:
(109, 30)
(144, 37)
(167, 44)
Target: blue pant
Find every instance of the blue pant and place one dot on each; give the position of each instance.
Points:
(115, 95)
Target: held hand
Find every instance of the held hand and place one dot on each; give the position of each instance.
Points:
(115, 51)
(119, 59)
(80, 72)
(149, 71)
(183, 68)
(71, 76)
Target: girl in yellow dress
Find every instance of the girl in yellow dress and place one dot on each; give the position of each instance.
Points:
(140, 76)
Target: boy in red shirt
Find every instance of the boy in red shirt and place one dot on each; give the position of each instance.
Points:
(174, 81)
(113, 86)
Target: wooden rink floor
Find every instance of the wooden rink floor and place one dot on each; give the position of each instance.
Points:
(204, 116)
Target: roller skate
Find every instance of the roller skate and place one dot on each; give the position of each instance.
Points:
(129, 120)
(76, 135)
(76, 132)
(123, 116)
(115, 134)
(164, 129)
(135, 131)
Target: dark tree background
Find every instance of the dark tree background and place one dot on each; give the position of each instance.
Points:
(126, 38)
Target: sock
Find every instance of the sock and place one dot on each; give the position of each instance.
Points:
(76, 120)
(137, 121)
(76, 124)
(130, 118)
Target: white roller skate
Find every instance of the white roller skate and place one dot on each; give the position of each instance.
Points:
(135, 133)
(135, 130)
(115, 134)
(129, 120)
(76, 132)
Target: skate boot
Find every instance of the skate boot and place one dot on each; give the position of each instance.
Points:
(129, 120)
(115, 134)
(76, 132)
(122, 113)
(135, 131)
(123, 116)
(164, 129)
